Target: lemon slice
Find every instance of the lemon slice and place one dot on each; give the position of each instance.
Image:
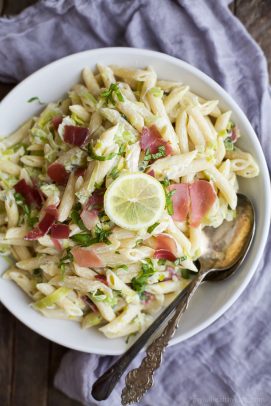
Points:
(134, 201)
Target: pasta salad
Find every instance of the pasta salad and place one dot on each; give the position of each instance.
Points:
(105, 195)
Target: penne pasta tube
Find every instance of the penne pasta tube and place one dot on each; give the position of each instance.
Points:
(67, 200)
(35, 262)
(90, 81)
(17, 136)
(10, 167)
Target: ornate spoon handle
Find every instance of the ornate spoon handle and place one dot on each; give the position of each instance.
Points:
(140, 379)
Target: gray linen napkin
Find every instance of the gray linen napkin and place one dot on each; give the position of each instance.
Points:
(229, 362)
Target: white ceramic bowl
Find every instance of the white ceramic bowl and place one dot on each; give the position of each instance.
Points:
(211, 300)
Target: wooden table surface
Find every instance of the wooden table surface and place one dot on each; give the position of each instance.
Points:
(28, 361)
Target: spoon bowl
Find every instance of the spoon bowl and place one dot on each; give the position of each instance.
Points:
(226, 249)
(229, 243)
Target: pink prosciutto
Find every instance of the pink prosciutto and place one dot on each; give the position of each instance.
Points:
(164, 254)
(44, 225)
(101, 278)
(60, 231)
(151, 139)
(193, 200)
(87, 257)
(57, 244)
(32, 194)
(96, 200)
(165, 247)
(202, 197)
(56, 121)
(89, 218)
(58, 173)
(165, 242)
(75, 135)
(180, 200)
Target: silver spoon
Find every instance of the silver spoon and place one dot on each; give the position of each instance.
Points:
(227, 248)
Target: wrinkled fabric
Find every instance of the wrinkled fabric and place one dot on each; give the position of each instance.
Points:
(229, 362)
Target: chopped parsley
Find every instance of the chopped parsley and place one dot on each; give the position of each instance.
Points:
(147, 270)
(92, 154)
(108, 94)
(138, 242)
(152, 157)
(179, 260)
(125, 267)
(96, 157)
(75, 216)
(85, 239)
(33, 99)
(162, 261)
(67, 259)
(169, 193)
(151, 228)
(229, 145)
(114, 173)
(31, 216)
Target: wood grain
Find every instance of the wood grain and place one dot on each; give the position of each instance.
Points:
(30, 368)
(12, 7)
(6, 355)
(256, 16)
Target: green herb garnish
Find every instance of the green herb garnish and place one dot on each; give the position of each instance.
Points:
(162, 261)
(169, 193)
(125, 267)
(92, 154)
(75, 216)
(30, 217)
(67, 259)
(138, 242)
(229, 145)
(151, 157)
(179, 260)
(147, 270)
(151, 228)
(85, 239)
(114, 173)
(33, 99)
(108, 94)
(96, 157)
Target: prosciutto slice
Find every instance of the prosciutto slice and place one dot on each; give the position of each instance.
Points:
(86, 257)
(60, 231)
(75, 135)
(58, 173)
(164, 254)
(202, 197)
(44, 225)
(89, 218)
(32, 194)
(180, 200)
(56, 121)
(193, 200)
(165, 242)
(151, 139)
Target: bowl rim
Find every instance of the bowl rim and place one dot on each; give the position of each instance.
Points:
(241, 116)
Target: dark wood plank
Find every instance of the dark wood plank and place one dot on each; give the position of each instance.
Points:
(12, 7)
(6, 355)
(55, 397)
(256, 16)
(30, 373)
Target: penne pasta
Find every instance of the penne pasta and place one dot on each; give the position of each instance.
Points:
(105, 196)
